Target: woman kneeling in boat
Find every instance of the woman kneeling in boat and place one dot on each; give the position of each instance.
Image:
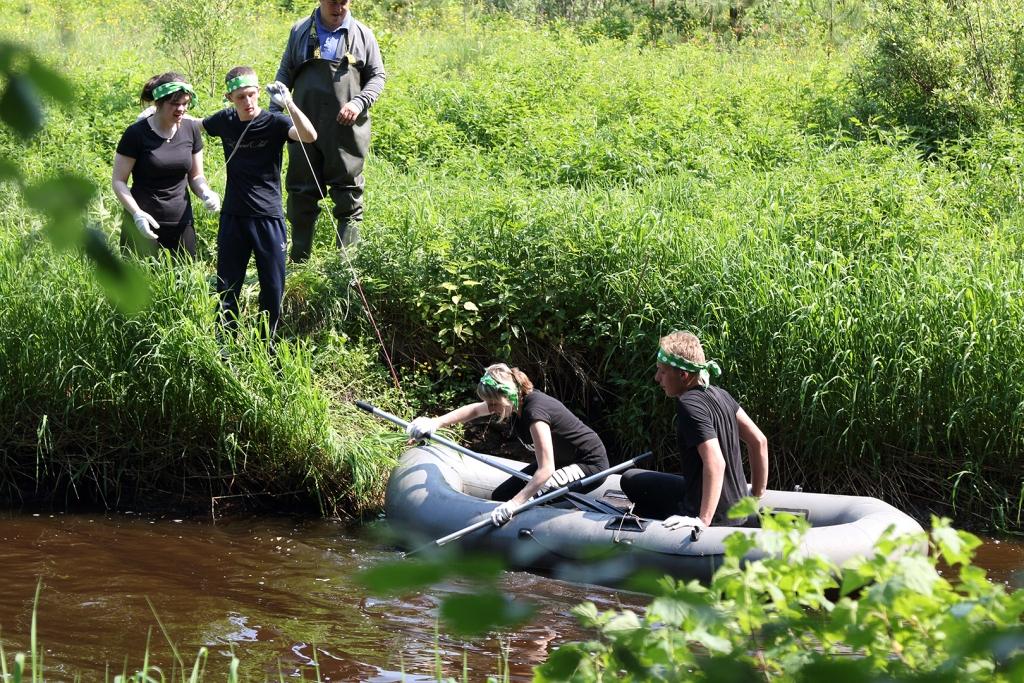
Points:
(560, 439)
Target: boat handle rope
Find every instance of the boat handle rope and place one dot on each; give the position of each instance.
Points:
(628, 514)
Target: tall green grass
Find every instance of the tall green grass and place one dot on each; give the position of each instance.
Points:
(866, 304)
(546, 196)
(162, 406)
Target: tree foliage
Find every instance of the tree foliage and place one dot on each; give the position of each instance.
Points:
(203, 35)
(946, 68)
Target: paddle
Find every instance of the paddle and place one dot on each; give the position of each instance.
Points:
(579, 500)
(540, 500)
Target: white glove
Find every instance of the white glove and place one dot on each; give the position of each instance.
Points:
(146, 224)
(503, 512)
(211, 201)
(146, 113)
(680, 521)
(422, 427)
(279, 94)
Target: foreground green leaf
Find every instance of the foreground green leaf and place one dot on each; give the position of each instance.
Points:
(20, 107)
(477, 614)
(123, 282)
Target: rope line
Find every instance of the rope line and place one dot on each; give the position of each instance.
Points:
(628, 514)
(238, 142)
(355, 276)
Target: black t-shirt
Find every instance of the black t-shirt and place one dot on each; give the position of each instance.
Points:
(702, 415)
(254, 173)
(160, 173)
(574, 442)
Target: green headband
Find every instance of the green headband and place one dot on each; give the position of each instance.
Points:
(242, 81)
(165, 89)
(509, 391)
(706, 370)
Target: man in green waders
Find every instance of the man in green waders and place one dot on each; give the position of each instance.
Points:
(333, 66)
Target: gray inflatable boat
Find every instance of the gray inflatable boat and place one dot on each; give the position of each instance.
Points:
(435, 491)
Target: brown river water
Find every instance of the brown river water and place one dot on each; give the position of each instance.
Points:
(273, 591)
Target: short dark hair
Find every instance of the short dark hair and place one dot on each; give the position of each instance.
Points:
(240, 71)
(160, 79)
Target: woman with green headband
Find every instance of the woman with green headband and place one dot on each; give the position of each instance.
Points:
(163, 155)
(566, 449)
(710, 425)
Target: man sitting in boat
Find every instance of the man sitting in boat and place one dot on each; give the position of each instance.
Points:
(709, 427)
(560, 439)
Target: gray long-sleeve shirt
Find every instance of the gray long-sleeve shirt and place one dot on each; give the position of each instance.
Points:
(363, 47)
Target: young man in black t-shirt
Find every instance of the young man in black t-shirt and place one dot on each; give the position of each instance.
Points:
(252, 218)
(710, 425)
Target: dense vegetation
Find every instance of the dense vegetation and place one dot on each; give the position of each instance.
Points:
(558, 191)
(893, 618)
(830, 194)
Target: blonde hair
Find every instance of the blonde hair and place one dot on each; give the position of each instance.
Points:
(683, 344)
(503, 374)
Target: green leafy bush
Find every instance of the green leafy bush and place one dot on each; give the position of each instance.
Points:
(946, 69)
(560, 200)
(203, 36)
(859, 295)
(893, 617)
(651, 22)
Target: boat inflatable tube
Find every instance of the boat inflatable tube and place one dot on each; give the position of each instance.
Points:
(435, 491)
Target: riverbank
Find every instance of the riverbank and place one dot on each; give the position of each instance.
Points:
(528, 202)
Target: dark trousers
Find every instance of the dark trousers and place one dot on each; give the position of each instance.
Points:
(659, 495)
(656, 495)
(264, 238)
(513, 485)
(303, 205)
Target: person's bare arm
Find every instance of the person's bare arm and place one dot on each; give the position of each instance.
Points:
(714, 477)
(119, 181)
(757, 451)
(544, 449)
(423, 426)
(303, 128)
(468, 412)
(196, 177)
(201, 188)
